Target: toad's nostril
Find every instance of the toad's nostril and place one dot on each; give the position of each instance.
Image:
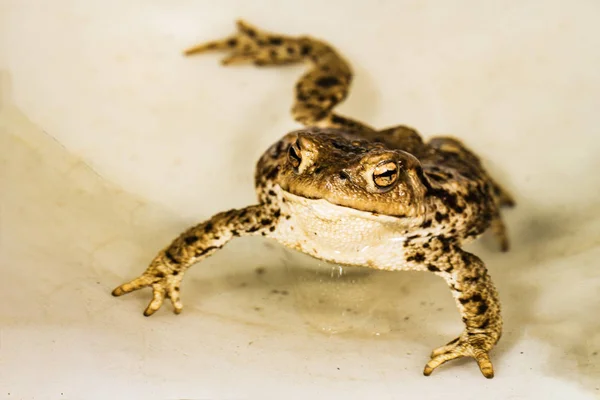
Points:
(343, 175)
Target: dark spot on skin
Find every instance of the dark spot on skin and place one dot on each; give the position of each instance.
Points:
(412, 237)
(305, 49)
(437, 177)
(246, 221)
(250, 32)
(191, 239)
(271, 229)
(432, 268)
(445, 243)
(426, 224)
(291, 50)
(272, 173)
(425, 245)
(288, 216)
(484, 324)
(235, 232)
(232, 42)
(260, 271)
(470, 279)
(482, 308)
(327, 81)
(171, 258)
(266, 221)
(277, 213)
(175, 273)
(419, 257)
(449, 199)
(320, 114)
(276, 41)
(208, 227)
(275, 291)
(279, 148)
(253, 229)
(264, 233)
(243, 213)
(333, 99)
(273, 53)
(337, 119)
(160, 274)
(472, 198)
(465, 258)
(476, 298)
(449, 269)
(439, 217)
(272, 193)
(454, 288)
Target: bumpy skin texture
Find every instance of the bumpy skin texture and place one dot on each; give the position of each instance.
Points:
(344, 192)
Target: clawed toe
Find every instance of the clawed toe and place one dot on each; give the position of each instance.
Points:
(459, 348)
(162, 287)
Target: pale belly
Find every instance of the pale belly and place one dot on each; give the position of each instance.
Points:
(343, 235)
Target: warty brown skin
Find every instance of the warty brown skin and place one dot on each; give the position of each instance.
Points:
(342, 179)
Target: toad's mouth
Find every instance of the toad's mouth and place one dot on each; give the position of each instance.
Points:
(329, 208)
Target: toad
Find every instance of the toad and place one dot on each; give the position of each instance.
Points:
(347, 193)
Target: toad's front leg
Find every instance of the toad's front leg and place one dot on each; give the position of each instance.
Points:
(477, 301)
(166, 271)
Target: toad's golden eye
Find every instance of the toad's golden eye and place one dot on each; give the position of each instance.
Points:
(385, 174)
(294, 155)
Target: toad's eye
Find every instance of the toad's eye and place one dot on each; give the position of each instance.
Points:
(385, 174)
(294, 155)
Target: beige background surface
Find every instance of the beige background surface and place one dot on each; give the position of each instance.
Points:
(111, 143)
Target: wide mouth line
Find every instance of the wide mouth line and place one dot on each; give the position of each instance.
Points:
(350, 210)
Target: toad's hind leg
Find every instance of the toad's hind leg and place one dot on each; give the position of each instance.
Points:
(318, 91)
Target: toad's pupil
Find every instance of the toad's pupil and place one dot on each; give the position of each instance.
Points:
(294, 157)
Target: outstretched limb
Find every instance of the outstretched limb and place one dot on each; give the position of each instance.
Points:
(477, 301)
(166, 271)
(318, 91)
